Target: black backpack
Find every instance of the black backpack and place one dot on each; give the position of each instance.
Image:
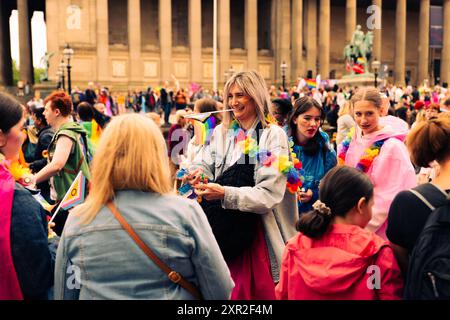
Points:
(234, 230)
(428, 275)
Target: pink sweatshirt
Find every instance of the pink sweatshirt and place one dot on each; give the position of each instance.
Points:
(391, 171)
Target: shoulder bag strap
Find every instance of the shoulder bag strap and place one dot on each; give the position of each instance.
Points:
(173, 275)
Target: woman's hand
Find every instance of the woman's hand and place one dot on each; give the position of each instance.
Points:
(210, 191)
(305, 197)
(194, 177)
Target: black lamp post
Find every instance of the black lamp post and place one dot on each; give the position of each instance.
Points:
(283, 67)
(59, 75)
(375, 67)
(62, 66)
(68, 54)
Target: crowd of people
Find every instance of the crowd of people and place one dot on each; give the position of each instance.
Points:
(256, 194)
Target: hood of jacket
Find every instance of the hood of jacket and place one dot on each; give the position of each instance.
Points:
(391, 129)
(334, 262)
(75, 127)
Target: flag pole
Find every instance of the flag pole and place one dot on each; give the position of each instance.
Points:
(65, 197)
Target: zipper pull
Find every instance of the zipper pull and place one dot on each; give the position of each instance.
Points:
(433, 282)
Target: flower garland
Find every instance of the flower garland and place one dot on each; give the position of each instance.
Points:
(249, 146)
(291, 169)
(21, 174)
(367, 158)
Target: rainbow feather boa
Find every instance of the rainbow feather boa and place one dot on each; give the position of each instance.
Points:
(367, 158)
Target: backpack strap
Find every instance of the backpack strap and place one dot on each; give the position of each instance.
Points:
(422, 198)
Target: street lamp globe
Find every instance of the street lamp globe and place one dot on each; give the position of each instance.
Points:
(68, 52)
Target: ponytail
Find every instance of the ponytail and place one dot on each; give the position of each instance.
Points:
(316, 222)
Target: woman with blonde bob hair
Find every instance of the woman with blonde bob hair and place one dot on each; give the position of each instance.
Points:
(247, 206)
(130, 169)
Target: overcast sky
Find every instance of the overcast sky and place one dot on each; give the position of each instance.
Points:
(38, 34)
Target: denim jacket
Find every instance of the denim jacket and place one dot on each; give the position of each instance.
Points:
(100, 260)
(33, 254)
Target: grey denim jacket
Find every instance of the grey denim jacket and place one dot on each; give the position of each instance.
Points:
(101, 261)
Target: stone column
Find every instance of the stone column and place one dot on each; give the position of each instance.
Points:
(134, 41)
(350, 20)
(251, 33)
(283, 37)
(324, 39)
(445, 60)
(424, 40)
(103, 65)
(195, 38)
(224, 37)
(311, 36)
(26, 55)
(52, 21)
(165, 37)
(6, 77)
(400, 43)
(297, 40)
(377, 33)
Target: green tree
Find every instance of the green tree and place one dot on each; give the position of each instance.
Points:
(38, 72)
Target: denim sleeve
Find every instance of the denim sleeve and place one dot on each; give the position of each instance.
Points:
(67, 282)
(211, 270)
(30, 248)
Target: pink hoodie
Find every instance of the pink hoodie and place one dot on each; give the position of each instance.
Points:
(391, 171)
(340, 265)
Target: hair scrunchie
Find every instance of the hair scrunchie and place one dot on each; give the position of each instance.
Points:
(320, 207)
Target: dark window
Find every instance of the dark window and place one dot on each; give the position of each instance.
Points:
(264, 24)
(118, 22)
(237, 24)
(207, 23)
(150, 22)
(180, 29)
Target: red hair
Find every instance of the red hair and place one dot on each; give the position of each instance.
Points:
(60, 100)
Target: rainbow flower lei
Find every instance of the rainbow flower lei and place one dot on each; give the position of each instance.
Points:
(367, 158)
(291, 169)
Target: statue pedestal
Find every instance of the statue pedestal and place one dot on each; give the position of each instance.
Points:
(359, 80)
(45, 88)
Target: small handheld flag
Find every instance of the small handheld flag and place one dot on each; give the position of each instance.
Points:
(202, 117)
(74, 196)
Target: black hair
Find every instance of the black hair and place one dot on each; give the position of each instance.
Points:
(301, 106)
(85, 111)
(11, 111)
(447, 103)
(284, 105)
(340, 190)
(38, 111)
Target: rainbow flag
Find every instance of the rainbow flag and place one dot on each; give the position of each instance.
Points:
(96, 133)
(76, 193)
(311, 83)
(204, 130)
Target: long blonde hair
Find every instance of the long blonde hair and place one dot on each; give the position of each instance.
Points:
(253, 85)
(131, 155)
(346, 109)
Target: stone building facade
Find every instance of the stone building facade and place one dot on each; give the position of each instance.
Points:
(135, 43)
